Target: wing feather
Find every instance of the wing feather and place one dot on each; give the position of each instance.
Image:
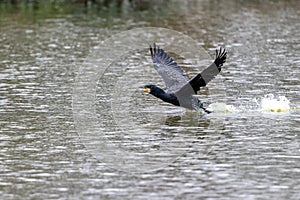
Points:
(201, 79)
(173, 75)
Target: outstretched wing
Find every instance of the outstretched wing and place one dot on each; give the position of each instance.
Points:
(168, 69)
(201, 79)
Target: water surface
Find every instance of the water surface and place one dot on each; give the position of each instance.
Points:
(244, 155)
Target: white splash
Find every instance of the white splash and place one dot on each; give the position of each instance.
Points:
(221, 108)
(271, 104)
(268, 103)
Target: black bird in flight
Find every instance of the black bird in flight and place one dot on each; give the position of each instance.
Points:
(180, 89)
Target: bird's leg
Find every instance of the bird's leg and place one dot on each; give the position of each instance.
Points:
(205, 110)
(201, 106)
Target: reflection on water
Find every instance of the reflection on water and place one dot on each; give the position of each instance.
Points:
(228, 156)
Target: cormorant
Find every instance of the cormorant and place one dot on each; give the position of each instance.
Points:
(180, 89)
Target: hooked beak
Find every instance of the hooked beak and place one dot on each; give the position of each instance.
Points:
(147, 90)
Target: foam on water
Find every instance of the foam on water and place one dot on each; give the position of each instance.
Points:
(268, 103)
(271, 104)
(221, 108)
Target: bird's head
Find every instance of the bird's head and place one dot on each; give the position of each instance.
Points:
(149, 88)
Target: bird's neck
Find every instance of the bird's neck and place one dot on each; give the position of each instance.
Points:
(166, 97)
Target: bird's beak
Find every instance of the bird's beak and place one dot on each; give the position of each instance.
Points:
(147, 90)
